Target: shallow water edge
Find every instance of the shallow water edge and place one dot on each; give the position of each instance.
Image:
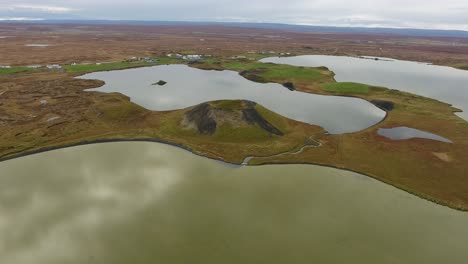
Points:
(160, 141)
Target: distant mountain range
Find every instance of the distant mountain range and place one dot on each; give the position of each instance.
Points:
(305, 28)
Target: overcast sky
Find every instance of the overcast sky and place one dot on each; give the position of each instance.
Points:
(437, 14)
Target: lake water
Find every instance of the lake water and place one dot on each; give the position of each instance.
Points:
(446, 84)
(189, 86)
(402, 133)
(153, 203)
(37, 45)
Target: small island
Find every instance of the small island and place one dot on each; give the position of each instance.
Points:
(160, 83)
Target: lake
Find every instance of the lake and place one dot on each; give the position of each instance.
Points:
(189, 86)
(152, 203)
(37, 45)
(446, 84)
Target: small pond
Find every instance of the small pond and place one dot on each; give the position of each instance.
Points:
(37, 45)
(402, 133)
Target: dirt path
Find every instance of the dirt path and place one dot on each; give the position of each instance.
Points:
(2, 92)
(316, 145)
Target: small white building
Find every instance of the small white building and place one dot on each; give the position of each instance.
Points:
(5, 67)
(150, 60)
(34, 66)
(192, 57)
(239, 57)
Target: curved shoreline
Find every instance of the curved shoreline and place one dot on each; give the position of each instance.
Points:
(160, 141)
(424, 197)
(102, 141)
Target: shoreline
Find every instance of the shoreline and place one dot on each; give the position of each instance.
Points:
(240, 165)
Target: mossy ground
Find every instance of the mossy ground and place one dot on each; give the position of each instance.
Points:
(5, 71)
(346, 87)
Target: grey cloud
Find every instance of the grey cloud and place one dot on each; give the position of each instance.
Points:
(450, 14)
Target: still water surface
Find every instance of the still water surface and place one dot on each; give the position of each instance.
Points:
(152, 203)
(402, 133)
(188, 87)
(446, 84)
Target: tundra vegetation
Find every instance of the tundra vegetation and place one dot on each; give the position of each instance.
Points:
(5, 71)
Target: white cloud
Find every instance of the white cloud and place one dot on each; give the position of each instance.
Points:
(20, 19)
(44, 8)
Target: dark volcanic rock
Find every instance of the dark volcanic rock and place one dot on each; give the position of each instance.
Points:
(290, 86)
(253, 76)
(253, 117)
(384, 105)
(200, 115)
(207, 117)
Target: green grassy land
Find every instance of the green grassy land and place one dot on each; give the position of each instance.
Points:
(275, 71)
(82, 68)
(5, 71)
(346, 87)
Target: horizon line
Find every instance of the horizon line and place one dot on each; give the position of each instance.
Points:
(39, 20)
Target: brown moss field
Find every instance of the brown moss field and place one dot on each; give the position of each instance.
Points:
(100, 43)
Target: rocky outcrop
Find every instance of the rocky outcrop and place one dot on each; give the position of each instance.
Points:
(384, 105)
(206, 118)
(253, 75)
(290, 86)
(251, 116)
(201, 117)
(160, 83)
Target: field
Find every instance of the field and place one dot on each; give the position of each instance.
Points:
(5, 71)
(346, 87)
(85, 68)
(113, 43)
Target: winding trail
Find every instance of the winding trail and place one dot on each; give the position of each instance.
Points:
(316, 144)
(2, 92)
